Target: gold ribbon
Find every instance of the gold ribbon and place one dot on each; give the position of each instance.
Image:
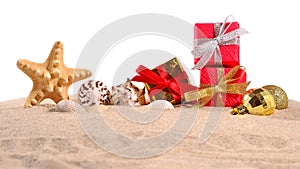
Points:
(224, 85)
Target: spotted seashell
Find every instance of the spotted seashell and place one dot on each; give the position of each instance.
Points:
(94, 92)
(68, 106)
(161, 105)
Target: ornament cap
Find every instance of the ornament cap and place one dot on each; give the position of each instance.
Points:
(240, 110)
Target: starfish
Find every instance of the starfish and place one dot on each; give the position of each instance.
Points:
(52, 78)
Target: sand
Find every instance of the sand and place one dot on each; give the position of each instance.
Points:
(39, 137)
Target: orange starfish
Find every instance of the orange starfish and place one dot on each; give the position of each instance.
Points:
(52, 78)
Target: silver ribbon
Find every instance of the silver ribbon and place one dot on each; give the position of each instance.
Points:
(208, 47)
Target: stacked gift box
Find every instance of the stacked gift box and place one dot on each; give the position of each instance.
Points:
(216, 52)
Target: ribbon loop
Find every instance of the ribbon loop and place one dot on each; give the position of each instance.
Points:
(208, 47)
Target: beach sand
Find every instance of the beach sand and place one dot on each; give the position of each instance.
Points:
(39, 137)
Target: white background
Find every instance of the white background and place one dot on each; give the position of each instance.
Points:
(29, 28)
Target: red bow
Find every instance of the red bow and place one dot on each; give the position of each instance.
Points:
(174, 84)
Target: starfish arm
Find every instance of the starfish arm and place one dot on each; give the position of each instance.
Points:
(31, 69)
(56, 55)
(80, 74)
(34, 98)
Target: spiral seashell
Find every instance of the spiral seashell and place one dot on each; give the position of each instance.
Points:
(161, 105)
(68, 106)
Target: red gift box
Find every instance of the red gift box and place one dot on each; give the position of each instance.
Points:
(167, 81)
(210, 76)
(230, 53)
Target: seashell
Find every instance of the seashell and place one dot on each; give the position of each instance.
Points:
(129, 93)
(68, 106)
(94, 92)
(161, 104)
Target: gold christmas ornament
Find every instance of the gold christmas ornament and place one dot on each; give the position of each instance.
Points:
(257, 102)
(280, 96)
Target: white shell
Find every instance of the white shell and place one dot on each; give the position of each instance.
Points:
(161, 104)
(68, 106)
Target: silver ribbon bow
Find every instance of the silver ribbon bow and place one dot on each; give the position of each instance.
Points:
(208, 47)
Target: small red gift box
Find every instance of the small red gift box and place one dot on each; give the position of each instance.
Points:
(167, 81)
(229, 52)
(211, 76)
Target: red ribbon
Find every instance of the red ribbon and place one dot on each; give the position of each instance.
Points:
(174, 84)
